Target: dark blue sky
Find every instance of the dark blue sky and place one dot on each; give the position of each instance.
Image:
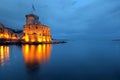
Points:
(78, 18)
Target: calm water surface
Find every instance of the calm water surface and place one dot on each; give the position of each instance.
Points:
(75, 60)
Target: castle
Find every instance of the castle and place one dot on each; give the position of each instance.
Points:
(33, 31)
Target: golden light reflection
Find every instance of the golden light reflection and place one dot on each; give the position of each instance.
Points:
(4, 54)
(34, 55)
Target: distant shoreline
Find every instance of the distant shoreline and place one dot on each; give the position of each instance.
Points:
(30, 43)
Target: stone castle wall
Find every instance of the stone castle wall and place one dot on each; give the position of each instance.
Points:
(6, 33)
(34, 31)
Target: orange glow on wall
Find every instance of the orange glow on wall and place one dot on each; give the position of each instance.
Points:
(33, 31)
(4, 32)
(4, 54)
(32, 39)
(39, 39)
(36, 54)
(4, 35)
(26, 38)
(37, 33)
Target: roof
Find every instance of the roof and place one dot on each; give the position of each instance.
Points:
(32, 15)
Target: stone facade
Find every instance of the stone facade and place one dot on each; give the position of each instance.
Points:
(34, 31)
(6, 33)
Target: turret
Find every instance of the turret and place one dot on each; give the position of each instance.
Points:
(32, 19)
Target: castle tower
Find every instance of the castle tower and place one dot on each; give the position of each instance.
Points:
(32, 19)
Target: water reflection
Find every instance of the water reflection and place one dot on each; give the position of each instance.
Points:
(34, 55)
(4, 54)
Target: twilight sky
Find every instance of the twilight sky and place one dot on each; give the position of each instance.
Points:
(67, 18)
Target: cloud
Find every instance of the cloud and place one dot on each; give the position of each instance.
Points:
(86, 17)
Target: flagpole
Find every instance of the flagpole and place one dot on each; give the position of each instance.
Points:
(33, 8)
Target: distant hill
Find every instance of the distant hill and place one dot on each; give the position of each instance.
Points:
(11, 29)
